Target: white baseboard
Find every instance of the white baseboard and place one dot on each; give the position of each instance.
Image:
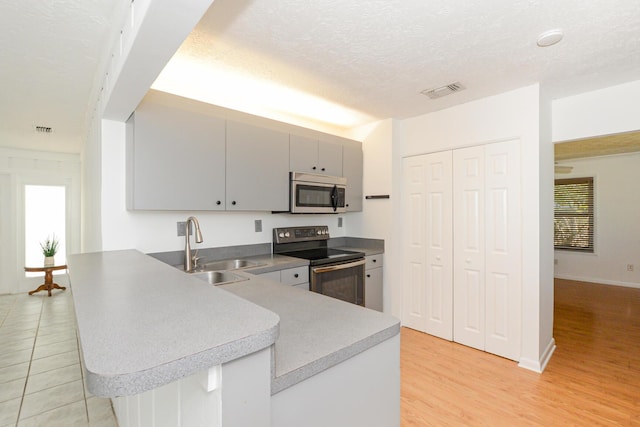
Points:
(597, 280)
(539, 365)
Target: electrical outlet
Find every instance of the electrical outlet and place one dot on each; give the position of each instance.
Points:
(629, 267)
(339, 222)
(182, 225)
(258, 225)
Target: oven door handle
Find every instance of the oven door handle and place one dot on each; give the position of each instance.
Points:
(336, 267)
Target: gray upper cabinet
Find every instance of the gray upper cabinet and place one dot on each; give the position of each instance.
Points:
(352, 170)
(315, 156)
(257, 168)
(175, 159)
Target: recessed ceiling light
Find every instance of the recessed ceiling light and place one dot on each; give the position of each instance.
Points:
(549, 38)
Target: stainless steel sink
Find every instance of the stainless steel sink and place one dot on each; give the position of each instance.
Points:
(230, 264)
(219, 277)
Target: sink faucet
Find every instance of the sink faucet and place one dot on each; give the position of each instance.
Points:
(188, 259)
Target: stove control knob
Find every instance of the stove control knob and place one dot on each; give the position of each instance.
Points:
(318, 232)
(287, 234)
(281, 234)
(325, 232)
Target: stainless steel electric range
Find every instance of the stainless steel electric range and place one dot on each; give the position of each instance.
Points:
(333, 272)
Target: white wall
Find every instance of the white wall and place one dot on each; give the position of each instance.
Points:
(510, 115)
(150, 231)
(91, 189)
(376, 219)
(25, 167)
(617, 229)
(601, 112)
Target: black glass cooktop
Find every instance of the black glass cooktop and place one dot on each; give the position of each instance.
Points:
(319, 256)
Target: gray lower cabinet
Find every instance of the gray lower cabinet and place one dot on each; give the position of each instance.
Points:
(175, 159)
(315, 156)
(298, 277)
(352, 170)
(257, 170)
(373, 282)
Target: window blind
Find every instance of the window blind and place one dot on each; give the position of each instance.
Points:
(573, 214)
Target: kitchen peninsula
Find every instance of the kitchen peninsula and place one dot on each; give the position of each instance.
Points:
(170, 349)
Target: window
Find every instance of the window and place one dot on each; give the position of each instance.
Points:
(573, 214)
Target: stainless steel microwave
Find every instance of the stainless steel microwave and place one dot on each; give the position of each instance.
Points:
(311, 193)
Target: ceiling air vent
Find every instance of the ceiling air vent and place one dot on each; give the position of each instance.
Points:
(43, 129)
(439, 92)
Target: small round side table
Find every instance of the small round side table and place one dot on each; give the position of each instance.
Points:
(48, 278)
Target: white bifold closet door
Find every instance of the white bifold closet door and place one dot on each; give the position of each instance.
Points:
(468, 253)
(427, 215)
(487, 248)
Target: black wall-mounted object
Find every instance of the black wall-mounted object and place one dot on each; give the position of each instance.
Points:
(379, 196)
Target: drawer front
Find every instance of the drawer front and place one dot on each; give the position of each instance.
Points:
(295, 276)
(373, 261)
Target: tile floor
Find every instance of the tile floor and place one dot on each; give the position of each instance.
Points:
(41, 379)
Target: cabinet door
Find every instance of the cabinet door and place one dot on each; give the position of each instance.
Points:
(175, 159)
(352, 170)
(503, 249)
(295, 276)
(468, 259)
(303, 154)
(330, 158)
(373, 289)
(257, 168)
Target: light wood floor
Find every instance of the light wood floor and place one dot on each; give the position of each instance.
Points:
(592, 379)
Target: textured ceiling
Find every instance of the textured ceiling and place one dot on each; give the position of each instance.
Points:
(49, 55)
(373, 56)
(376, 56)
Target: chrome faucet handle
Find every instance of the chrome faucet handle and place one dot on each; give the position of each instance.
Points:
(195, 260)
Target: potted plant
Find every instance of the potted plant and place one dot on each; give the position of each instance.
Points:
(49, 249)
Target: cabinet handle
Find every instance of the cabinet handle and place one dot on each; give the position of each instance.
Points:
(314, 168)
(347, 205)
(218, 202)
(368, 275)
(322, 169)
(374, 260)
(296, 275)
(233, 203)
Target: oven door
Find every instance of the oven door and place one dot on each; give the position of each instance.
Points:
(342, 281)
(312, 197)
